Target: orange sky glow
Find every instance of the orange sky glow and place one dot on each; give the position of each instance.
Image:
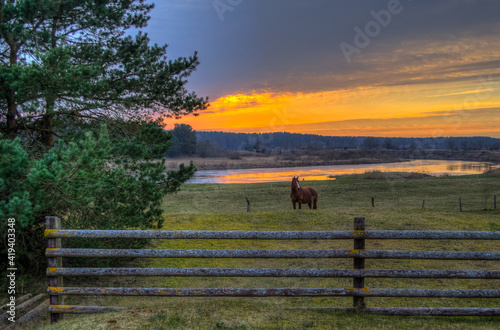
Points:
(418, 111)
(420, 87)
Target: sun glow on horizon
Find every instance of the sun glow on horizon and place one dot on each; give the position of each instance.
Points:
(432, 70)
(376, 111)
(410, 93)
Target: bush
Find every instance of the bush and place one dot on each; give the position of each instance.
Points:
(87, 184)
(234, 155)
(208, 148)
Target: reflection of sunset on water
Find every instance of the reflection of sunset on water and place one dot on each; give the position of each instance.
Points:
(255, 175)
(467, 167)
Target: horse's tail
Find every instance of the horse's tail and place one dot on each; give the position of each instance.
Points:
(315, 200)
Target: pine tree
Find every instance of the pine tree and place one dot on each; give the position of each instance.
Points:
(82, 110)
(183, 140)
(71, 61)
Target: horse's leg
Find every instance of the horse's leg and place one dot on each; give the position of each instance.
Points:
(293, 205)
(300, 206)
(315, 203)
(310, 205)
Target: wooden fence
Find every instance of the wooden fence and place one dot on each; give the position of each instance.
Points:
(56, 272)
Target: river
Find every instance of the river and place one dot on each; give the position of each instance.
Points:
(254, 175)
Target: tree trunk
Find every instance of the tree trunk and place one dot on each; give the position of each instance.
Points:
(11, 114)
(11, 97)
(47, 126)
(48, 117)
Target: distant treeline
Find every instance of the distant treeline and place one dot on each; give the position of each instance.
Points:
(248, 141)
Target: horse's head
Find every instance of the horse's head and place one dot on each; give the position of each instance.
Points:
(295, 183)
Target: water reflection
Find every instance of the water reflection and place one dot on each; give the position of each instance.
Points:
(467, 167)
(432, 167)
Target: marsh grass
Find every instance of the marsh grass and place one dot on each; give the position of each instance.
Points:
(245, 159)
(440, 193)
(214, 207)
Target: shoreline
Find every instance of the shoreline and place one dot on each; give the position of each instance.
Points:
(223, 164)
(326, 158)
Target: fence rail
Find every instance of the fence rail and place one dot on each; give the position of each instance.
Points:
(271, 272)
(418, 311)
(272, 235)
(355, 253)
(56, 271)
(275, 292)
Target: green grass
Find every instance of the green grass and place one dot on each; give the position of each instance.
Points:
(440, 193)
(223, 207)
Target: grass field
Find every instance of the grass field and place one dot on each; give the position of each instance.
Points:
(398, 206)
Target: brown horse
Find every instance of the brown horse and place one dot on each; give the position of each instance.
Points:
(301, 195)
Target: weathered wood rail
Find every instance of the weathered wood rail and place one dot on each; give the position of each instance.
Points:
(56, 272)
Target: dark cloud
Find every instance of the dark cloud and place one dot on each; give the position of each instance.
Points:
(293, 45)
(434, 80)
(488, 113)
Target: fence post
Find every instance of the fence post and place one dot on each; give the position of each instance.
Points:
(359, 263)
(54, 223)
(460, 203)
(423, 203)
(373, 201)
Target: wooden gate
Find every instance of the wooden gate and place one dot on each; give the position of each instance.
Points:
(55, 252)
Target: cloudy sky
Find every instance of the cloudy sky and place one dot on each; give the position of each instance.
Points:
(353, 67)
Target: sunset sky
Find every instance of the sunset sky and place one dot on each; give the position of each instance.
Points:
(365, 67)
